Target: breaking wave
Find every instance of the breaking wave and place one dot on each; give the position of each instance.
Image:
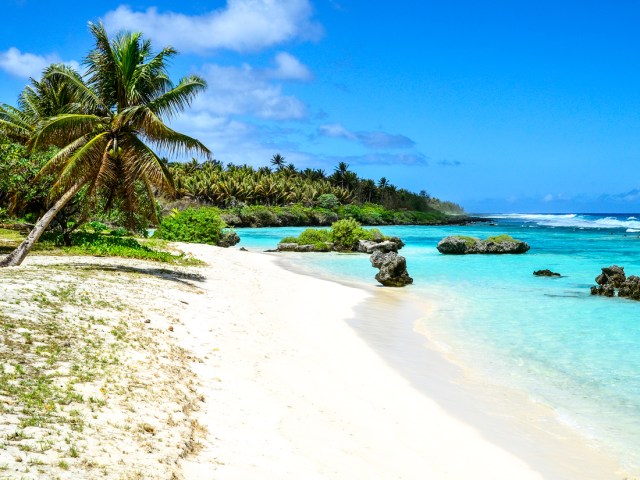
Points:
(575, 220)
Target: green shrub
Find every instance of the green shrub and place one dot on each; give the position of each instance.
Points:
(202, 225)
(108, 246)
(328, 201)
(345, 233)
(314, 236)
(97, 227)
(119, 232)
(258, 216)
(289, 240)
(501, 238)
(470, 241)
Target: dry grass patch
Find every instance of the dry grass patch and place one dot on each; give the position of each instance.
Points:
(91, 383)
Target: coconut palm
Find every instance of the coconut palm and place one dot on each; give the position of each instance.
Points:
(106, 143)
(278, 161)
(38, 101)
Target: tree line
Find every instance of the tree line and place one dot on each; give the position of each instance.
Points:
(213, 183)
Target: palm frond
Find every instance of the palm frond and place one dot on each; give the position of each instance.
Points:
(82, 164)
(147, 164)
(178, 98)
(65, 128)
(168, 139)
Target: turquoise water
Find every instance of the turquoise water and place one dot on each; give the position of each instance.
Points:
(549, 337)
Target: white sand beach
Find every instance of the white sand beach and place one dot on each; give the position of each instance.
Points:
(293, 392)
(270, 381)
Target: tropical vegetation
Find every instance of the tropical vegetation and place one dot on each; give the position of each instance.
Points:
(212, 183)
(105, 125)
(82, 147)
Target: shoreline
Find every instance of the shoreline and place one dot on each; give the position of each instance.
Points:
(506, 416)
(283, 375)
(301, 395)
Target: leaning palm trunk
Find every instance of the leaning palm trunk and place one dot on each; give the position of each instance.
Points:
(16, 257)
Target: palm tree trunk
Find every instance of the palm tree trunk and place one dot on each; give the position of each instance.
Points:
(16, 257)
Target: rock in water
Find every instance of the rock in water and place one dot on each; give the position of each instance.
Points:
(385, 246)
(546, 273)
(630, 288)
(393, 269)
(456, 245)
(228, 239)
(614, 277)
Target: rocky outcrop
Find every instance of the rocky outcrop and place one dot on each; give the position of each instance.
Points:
(392, 244)
(294, 247)
(456, 245)
(393, 269)
(228, 239)
(546, 273)
(630, 288)
(613, 278)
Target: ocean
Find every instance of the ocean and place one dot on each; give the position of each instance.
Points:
(547, 337)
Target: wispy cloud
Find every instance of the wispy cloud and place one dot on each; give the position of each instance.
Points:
(247, 91)
(449, 163)
(25, 65)
(258, 142)
(377, 140)
(242, 25)
(380, 159)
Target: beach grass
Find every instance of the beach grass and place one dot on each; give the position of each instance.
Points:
(75, 356)
(101, 244)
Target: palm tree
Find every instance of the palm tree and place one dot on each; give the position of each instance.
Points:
(278, 161)
(340, 172)
(123, 100)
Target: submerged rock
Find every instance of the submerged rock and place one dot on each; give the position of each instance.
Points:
(393, 269)
(546, 273)
(457, 245)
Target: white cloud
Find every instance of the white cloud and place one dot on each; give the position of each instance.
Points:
(242, 25)
(27, 65)
(240, 142)
(336, 130)
(246, 91)
(290, 68)
(368, 139)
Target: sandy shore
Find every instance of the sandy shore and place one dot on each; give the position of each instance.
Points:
(244, 370)
(295, 393)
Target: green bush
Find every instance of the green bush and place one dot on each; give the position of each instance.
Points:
(470, 241)
(314, 236)
(119, 232)
(202, 225)
(97, 227)
(108, 246)
(328, 201)
(289, 240)
(501, 238)
(345, 234)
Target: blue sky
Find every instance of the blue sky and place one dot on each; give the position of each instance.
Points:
(501, 106)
